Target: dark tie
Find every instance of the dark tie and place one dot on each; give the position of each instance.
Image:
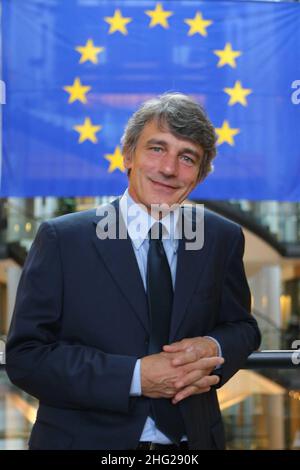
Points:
(167, 417)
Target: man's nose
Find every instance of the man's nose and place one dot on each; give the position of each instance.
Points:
(169, 164)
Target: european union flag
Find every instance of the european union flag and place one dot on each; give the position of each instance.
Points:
(76, 70)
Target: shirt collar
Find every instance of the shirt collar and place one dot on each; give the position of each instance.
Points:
(138, 222)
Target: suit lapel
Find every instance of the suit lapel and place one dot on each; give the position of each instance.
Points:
(190, 267)
(120, 260)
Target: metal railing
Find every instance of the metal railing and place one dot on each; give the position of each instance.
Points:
(277, 359)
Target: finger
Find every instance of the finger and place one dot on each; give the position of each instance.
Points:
(177, 346)
(185, 357)
(203, 364)
(194, 380)
(207, 381)
(177, 398)
(210, 362)
(199, 378)
(189, 379)
(197, 353)
(201, 386)
(188, 391)
(194, 355)
(194, 391)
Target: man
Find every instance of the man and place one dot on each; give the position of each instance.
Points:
(124, 339)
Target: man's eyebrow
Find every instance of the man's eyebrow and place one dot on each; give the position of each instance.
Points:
(164, 143)
(156, 141)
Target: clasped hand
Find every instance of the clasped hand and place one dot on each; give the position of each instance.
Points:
(182, 369)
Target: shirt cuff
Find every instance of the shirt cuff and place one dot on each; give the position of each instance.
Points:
(135, 388)
(219, 348)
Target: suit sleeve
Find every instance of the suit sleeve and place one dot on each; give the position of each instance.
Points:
(237, 331)
(56, 372)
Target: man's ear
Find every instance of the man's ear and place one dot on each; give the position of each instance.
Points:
(127, 159)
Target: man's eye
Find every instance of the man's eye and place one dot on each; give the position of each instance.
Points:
(187, 159)
(156, 149)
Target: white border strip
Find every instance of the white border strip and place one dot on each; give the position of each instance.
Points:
(2, 94)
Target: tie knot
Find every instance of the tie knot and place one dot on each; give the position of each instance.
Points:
(156, 231)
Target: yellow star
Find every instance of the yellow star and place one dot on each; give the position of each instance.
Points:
(159, 16)
(77, 91)
(89, 52)
(117, 22)
(198, 24)
(87, 131)
(238, 94)
(116, 160)
(226, 133)
(227, 55)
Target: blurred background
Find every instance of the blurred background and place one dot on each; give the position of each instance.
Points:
(73, 72)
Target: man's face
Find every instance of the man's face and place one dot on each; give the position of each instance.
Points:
(164, 169)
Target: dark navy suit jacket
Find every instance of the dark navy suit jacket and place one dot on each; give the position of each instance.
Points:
(81, 321)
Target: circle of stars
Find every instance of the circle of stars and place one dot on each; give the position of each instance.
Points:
(159, 17)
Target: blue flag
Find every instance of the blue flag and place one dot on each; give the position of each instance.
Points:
(75, 71)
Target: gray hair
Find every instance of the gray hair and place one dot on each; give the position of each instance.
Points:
(183, 116)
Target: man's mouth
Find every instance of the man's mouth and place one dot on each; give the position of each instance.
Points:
(162, 185)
